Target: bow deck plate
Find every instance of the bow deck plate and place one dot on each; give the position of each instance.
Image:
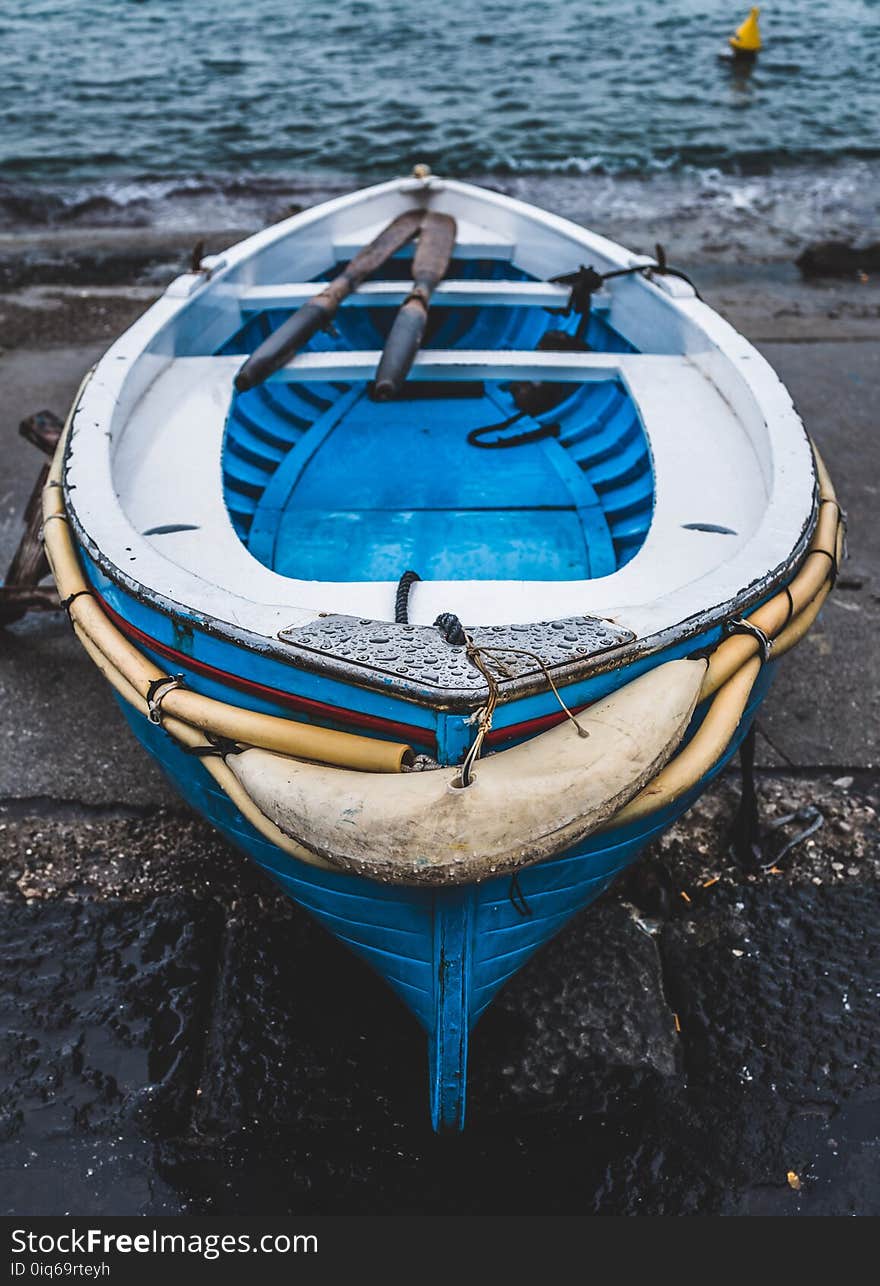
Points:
(416, 659)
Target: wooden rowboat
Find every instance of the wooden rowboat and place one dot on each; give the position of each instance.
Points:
(442, 694)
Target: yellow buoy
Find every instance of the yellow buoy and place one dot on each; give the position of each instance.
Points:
(747, 39)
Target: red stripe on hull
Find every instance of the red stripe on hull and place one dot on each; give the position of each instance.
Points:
(321, 709)
(303, 705)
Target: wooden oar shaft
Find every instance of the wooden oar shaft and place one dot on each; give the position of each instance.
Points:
(430, 263)
(320, 310)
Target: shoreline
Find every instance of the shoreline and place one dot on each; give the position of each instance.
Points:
(93, 282)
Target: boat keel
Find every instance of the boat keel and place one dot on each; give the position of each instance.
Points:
(448, 1040)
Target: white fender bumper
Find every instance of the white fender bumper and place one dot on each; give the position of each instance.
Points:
(523, 805)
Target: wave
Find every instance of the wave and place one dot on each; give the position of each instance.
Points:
(712, 214)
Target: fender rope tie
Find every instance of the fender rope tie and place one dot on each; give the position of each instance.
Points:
(401, 598)
(517, 897)
(217, 745)
(157, 691)
(455, 634)
(739, 625)
(833, 560)
(790, 613)
(842, 521)
(66, 602)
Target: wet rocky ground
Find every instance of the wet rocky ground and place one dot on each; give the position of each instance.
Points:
(177, 1037)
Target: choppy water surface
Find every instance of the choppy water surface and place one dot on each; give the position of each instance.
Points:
(120, 104)
(92, 87)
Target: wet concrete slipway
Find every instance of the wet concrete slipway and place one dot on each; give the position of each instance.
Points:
(176, 1037)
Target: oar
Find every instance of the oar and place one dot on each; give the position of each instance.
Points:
(433, 253)
(315, 315)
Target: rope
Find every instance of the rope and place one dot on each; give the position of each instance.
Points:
(790, 613)
(217, 745)
(157, 691)
(582, 279)
(401, 598)
(534, 398)
(809, 814)
(475, 437)
(517, 897)
(455, 634)
(834, 564)
(485, 714)
(516, 651)
(452, 629)
(66, 602)
(584, 282)
(739, 625)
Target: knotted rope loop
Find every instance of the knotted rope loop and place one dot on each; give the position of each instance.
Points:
(454, 632)
(739, 625)
(452, 629)
(66, 603)
(216, 745)
(157, 691)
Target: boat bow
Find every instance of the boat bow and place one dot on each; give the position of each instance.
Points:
(522, 805)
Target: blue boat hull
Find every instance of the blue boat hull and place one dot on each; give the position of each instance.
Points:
(574, 503)
(327, 487)
(445, 952)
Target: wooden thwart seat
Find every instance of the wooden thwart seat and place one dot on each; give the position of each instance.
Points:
(470, 364)
(390, 294)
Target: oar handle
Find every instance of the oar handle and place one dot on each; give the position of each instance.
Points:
(283, 343)
(401, 347)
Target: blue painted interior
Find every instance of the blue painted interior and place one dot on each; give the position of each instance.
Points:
(323, 484)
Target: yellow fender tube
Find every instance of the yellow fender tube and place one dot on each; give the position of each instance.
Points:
(284, 736)
(188, 737)
(825, 553)
(701, 753)
(722, 719)
(522, 805)
(734, 665)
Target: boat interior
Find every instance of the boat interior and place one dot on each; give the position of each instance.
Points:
(651, 468)
(322, 483)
